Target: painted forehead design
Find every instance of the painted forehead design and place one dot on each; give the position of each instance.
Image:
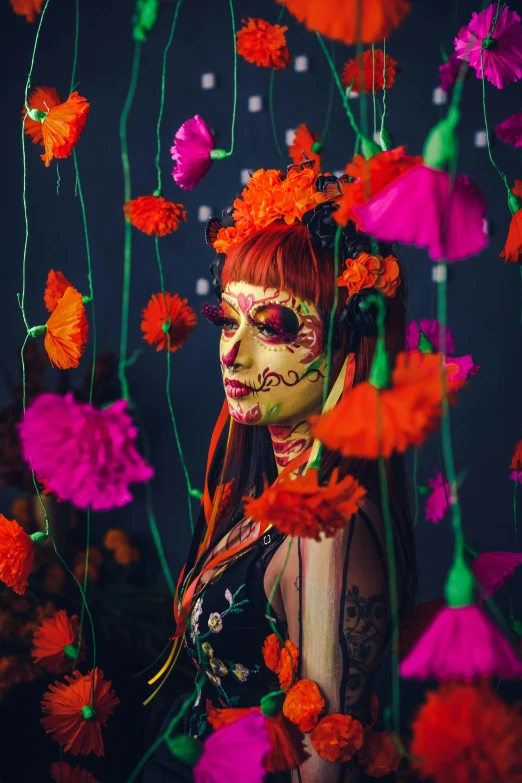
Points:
(248, 302)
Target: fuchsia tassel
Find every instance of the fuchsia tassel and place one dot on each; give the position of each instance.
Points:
(234, 753)
(493, 569)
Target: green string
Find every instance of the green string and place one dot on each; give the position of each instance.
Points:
(384, 86)
(162, 100)
(442, 471)
(373, 90)
(271, 99)
(234, 106)
(329, 105)
(169, 397)
(363, 105)
(415, 485)
(122, 364)
(517, 477)
(76, 38)
(273, 592)
(342, 92)
(486, 126)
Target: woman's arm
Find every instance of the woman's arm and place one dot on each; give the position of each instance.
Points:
(340, 585)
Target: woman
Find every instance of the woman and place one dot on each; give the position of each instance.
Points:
(277, 287)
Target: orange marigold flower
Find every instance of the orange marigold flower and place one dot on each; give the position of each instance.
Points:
(43, 99)
(409, 411)
(73, 718)
(516, 460)
(370, 177)
(263, 43)
(57, 284)
(308, 143)
(288, 660)
(367, 271)
(167, 326)
(55, 642)
(114, 538)
(272, 652)
(512, 250)
(302, 507)
(155, 215)
(303, 704)
(338, 18)
(126, 554)
(62, 127)
(62, 772)
(379, 754)
(337, 737)
(27, 8)
(67, 331)
(465, 734)
(372, 68)
(16, 555)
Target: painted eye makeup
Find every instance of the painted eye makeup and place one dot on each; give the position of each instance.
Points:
(276, 323)
(218, 317)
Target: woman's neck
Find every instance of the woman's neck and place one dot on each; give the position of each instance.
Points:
(288, 442)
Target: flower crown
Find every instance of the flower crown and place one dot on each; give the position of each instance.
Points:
(300, 194)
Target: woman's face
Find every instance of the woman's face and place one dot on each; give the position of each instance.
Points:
(272, 358)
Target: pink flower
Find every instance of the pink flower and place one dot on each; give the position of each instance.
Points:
(516, 475)
(88, 456)
(235, 753)
(193, 144)
(437, 502)
(430, 327)
(461, 368)
(510, 130)
(449, 72)
(461, 643)
(493, 569)
(425, 208)
(501, 53)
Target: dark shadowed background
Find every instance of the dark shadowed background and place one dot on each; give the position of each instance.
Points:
(484, 294)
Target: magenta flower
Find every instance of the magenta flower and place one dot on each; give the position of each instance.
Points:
(494, 569)
(461, 368)
(193, 144)
(461, 643)
(501, 52)
(510, 130)
(235, 753)
(430, 327)
(425, 208)
(438, 502)
(449, 72)
(87, 456)
(516, 475)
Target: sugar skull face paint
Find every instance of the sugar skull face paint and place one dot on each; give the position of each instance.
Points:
(271, 352)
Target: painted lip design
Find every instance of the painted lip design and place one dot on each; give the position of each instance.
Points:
(235, 389)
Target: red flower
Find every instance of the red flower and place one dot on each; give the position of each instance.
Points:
(263, 43)
(16, 555)
(55, 642)
(57, 284)
(308, 143)
(516, 460)
(62, 127)
(372, 66)
(155, 215)
(67, 331)
(466, 734)
(370, 177)
(337, 737)
(62, 772)
(409, 411)
(512, 250)
(302, 507)
(379, 754)
(43, 99)
(167, 326)
(73, 719)
(27, 8)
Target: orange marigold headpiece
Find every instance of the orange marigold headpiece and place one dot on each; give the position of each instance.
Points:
(43, 99)
(155, 215)
(73, 718)
(167, 321)
(337, 737)
(263, 43)
(62, 126)
(410, 411)
(512, 250)
(303, 507)
(338, 18)
(368, 271)
(371, 64)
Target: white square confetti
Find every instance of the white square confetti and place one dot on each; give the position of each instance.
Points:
(208, 81)
(244, 176)
(301, 63)
(338, 173)
(438, 273)
(289, 136)
(439, 97)
(204, 213)
(352, 95)
(202, 286)
(255, 103)
(481, 139)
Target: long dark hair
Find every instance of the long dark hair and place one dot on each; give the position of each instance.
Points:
(282, 256)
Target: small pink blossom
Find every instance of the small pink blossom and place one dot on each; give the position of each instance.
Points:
(235, 753)
(461, 368)
(510, 130)
(87, 456)
(449, 72)
(436, 503)
(193, 144)
(431, 328)
(502, 58)
(215, 623)
(493, 569)
(516, 475)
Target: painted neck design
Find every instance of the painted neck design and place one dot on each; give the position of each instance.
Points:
(289, 442)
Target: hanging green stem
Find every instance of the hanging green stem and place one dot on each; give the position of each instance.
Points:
(384, 86)
(272, 114)
(486, 126)
(122, 364)
(373, 90)
(76, 39)
(273, 591)
(329, 105)
(162, 99)
(342, 92)
(234, 105)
